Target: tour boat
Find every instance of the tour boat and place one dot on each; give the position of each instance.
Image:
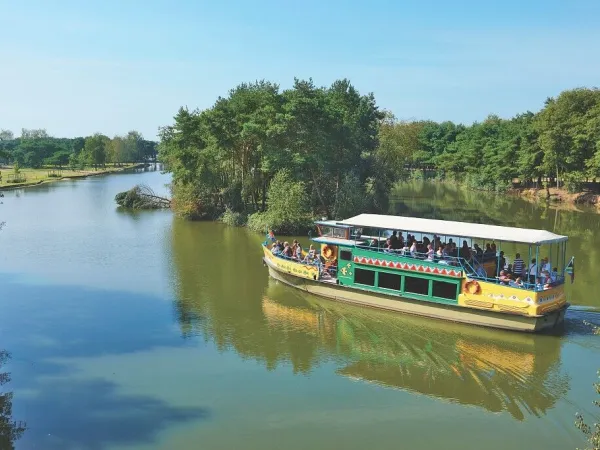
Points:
(468, 287)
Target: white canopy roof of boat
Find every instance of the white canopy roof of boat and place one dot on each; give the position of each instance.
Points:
(458, 229)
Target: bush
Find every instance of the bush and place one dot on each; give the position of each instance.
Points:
(190, 202)
(233, 218)
(573, 182)
(287, 211)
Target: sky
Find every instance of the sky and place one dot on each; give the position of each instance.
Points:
(110, 66)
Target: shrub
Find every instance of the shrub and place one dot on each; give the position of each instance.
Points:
(233, 218)
(287, 211)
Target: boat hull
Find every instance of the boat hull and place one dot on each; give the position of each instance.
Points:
(421, 308)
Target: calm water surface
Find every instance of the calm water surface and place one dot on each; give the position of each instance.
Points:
(142, 331)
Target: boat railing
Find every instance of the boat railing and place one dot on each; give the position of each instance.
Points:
(473, 267)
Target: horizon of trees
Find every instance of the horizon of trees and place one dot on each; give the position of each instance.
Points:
(35, 148)
(560, 144)
(332, 152)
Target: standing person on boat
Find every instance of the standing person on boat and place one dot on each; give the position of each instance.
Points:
(502, 264)
(394, 243)
(518, 266)
(532, 271)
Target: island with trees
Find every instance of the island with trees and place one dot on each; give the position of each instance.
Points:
(263, 156)
(34, 156)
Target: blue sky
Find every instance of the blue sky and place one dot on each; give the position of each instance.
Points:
(78, 67)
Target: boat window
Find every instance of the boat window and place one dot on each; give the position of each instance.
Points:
(416, 285)
(389, 281)
(334, 232)
(362, 276)
(346, 255)
(442, 289)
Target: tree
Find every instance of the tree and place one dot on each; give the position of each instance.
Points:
(94, 150)
(6, 135)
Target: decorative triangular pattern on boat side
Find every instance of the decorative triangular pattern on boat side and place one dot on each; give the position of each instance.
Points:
(407, 266)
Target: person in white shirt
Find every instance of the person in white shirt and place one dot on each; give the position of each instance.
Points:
(546, 264)
(532, 271)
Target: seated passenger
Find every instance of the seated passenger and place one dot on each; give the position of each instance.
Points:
(298, 253)
(517, 283)
(504, 278)
(440, 253)
(478, 251)
(429, 252)
(413, 248)
(287, 250)
(275, 248)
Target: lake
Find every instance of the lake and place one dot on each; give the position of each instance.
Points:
(144, 331)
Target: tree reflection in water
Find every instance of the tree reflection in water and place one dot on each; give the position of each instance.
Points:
(10, 430)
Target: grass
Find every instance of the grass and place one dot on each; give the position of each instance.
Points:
(45, 174)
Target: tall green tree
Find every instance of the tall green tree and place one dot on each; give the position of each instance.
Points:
(94, 150)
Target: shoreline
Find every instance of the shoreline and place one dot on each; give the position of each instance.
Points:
(558, 197)
(71, 177)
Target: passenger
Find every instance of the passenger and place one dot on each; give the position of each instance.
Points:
(311, 256)
(287, 250)
(488, 254)
(374, 243)
(426, 241)
(298, 253)
(546, 264)
(454, 252)
(504, 278)
(430, 252)
(440, 252)
(446, 253)
(387, 247)
(413, 248)
(493, 247)
(532, 271)
(502, 264)
(539, 285)
(517, 283)
(275, 248)
(465, 251)
(394, 243)
(478, 251)
(518, 266)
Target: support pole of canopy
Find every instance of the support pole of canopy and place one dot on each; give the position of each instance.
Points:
(498, 268)
(537, 263)
(527, 266)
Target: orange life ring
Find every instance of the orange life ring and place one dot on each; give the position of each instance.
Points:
(328, 252)
(472, 287)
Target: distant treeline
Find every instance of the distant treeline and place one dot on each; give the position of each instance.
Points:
(35, 148)
(560, 144)
(281, 158)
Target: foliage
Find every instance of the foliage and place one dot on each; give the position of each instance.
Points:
(560, 143)
(591, 432)
(35, 148)
(233, 218)
(229, 154)
(287, 210)
(141, 197)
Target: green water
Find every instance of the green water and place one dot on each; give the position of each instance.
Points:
(142, 331)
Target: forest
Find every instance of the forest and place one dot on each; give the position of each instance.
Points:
(280, 158)
(35, 149)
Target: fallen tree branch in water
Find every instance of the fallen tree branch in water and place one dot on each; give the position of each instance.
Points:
(141, 196)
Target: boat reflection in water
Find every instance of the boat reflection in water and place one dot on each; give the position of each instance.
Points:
(495, 370)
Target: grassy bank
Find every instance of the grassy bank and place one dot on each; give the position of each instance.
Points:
(33, 177)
